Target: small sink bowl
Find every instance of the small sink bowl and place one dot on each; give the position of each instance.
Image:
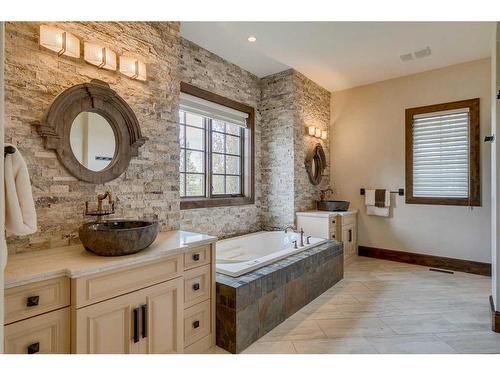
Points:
(332, 205)
(118, 237)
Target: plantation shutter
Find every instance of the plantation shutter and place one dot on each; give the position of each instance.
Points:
(441, 154)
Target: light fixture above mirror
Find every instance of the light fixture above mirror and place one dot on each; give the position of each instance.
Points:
(59, 41)
(99, 56)
(133, 68)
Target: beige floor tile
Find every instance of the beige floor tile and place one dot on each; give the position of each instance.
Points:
(410, 344)
(348, 345)
(420, 323)
(295, 330)
(473, 342)
(354, 327)
(270, 347)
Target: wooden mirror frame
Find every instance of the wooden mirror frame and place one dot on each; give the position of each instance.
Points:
(95, 96)
(315, 170)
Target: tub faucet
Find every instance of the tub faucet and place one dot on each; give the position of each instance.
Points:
(289, 227)
(301, 237)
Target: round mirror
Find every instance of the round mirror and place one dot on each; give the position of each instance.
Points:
(92, 141)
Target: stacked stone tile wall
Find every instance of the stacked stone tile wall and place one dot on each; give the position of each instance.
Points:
(34, 76)
(290, 102)
(208, 71)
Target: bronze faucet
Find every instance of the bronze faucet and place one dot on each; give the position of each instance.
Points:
(100, 212)
(323, 193)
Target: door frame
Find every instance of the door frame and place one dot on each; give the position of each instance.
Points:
(3, 245)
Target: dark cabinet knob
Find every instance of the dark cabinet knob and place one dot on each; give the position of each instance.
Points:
(33, 301)
(196, 257)
(196, 324)
(196, 286)
(34, 348)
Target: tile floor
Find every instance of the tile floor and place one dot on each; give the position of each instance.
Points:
(389, 307)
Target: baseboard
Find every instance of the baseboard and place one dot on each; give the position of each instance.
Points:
(460, 265)
(495, 317)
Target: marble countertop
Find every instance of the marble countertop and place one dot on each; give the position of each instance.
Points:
(317, 213)
(75, 261)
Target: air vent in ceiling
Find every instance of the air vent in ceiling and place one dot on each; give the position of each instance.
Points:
(406, 57)
(423, 53)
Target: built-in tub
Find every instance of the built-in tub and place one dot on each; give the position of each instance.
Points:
(243, 254)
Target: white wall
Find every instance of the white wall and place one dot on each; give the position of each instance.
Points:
(368, 151)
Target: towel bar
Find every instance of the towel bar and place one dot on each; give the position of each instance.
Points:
(400, 192)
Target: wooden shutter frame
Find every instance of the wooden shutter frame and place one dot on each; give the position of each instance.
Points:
(474, 198)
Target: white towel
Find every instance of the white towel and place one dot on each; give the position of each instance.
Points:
(371, 209)
(20, 214)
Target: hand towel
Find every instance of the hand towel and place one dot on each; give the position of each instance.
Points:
(371, 203)
(20, 214)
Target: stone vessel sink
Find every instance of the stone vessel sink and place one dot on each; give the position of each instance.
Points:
(118, 237)
(332, 205)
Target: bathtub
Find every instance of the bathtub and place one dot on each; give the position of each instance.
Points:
(239, 255)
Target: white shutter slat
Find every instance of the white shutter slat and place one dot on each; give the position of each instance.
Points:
(441, 155)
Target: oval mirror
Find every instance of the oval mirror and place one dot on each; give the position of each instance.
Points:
(92, 141)
(315, 163)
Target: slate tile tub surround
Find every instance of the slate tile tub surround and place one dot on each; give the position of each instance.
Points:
(251, 305)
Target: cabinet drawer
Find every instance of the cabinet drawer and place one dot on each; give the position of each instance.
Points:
(348, 219)
(197, 257)
(196, 322)
(36, 298)
(197, 285)
(45, 334)
(105, 285)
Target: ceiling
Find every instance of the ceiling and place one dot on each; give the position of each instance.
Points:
(340, 55)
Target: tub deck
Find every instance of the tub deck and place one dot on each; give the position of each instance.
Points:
(251, 305)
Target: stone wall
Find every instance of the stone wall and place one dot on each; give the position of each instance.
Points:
(208, 71)
(34, 76)
(290, 102)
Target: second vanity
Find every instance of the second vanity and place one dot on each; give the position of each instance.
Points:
(69, 300)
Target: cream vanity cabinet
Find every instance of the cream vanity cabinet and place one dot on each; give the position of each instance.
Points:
(160, 306)
(340, 226)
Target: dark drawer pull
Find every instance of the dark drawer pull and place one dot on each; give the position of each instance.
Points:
(196, 286)
(144, 309)
(196, 257)
(33, 301)
(34, 348)
(350, 235)
(196, 324)
(136, 325)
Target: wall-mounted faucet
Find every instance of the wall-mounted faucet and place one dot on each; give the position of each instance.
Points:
(100, 212)
(322, 193)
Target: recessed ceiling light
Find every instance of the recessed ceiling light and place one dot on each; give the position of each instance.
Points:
(252, 39)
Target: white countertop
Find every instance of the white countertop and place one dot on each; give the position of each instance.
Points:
(316, 213)
(75, 261)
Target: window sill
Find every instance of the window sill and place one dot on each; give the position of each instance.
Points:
(473, 202)
(193, 203)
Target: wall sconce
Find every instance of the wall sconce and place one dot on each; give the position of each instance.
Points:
(316, 132)
(59, 41)
(99, 56)
(133, 68)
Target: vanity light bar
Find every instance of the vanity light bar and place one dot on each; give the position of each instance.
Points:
(317, 132)
(67, 44)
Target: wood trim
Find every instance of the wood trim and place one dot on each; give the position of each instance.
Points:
(460, 265)
(495, 317)
(192, 203)
(474, 154)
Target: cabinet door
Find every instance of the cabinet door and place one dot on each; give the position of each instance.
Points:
(162, 318)
(45, 334)
(107, 327)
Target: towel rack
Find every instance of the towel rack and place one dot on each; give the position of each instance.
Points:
(8, 150)
(400, 191)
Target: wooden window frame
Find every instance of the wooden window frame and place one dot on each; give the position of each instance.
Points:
(248, 197)
(474, 198)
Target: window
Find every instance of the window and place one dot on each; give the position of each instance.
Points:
(216, 142)
(442, 154)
